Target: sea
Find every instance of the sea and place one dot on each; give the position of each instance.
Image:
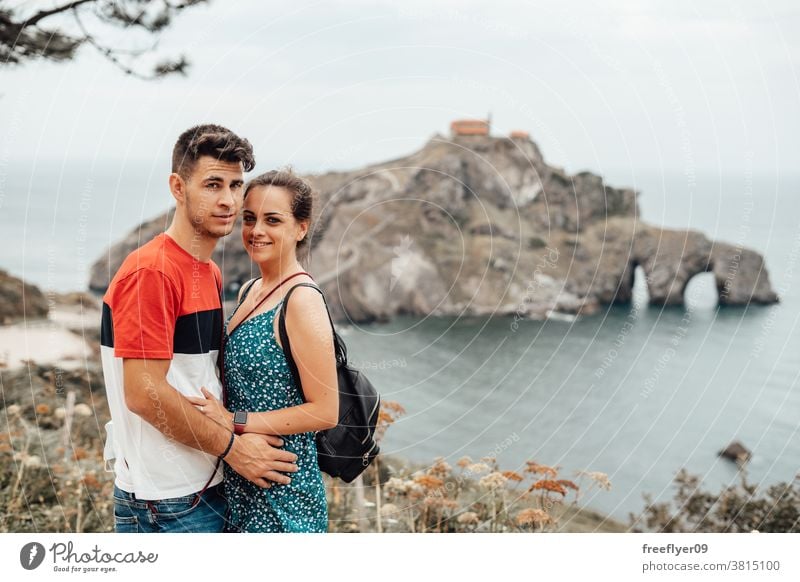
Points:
(635, 392)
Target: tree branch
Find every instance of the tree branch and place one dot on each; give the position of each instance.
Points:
(34, 20)
(25, 39)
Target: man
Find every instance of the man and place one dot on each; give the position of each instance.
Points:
(161, 336)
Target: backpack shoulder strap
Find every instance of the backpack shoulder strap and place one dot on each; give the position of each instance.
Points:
(284, 335)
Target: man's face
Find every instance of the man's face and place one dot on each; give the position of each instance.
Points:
(214, 196)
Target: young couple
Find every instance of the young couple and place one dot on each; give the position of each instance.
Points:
(186, 462)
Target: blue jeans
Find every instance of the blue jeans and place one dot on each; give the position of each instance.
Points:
(188, 514)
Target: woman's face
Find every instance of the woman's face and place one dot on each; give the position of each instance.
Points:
(269, 230)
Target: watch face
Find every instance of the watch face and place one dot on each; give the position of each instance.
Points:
(240, 417)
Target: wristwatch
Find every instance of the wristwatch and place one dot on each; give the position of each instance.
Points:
(239, 421)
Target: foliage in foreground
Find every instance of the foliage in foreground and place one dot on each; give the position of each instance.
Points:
(738, 508)
(50, 482)
(476, 496)
(52, 479)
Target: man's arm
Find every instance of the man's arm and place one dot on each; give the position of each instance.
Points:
(311, 336)
(150, 396)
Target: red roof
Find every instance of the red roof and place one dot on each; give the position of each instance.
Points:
(470, 127)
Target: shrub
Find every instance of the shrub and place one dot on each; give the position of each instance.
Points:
(741, 507)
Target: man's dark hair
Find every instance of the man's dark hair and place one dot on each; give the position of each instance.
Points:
(210, 140)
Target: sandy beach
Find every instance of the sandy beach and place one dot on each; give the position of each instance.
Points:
(57, 339)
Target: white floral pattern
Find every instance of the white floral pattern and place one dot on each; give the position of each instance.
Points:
(257, 379)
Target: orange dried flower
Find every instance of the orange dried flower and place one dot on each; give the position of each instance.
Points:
(42, 409)
(567, 483)
(384, 416)
(80, 453)
(536, 468)
(392, 407)
(512, 476)
(464, 462)
(429, 481)
(549, 485)
(91, 481)
(440, 468)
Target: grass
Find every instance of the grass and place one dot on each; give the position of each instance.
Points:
(53, 479)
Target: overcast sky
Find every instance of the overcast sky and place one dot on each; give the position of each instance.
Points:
(613, 87)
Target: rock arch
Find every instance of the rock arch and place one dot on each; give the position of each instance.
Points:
(670, 258)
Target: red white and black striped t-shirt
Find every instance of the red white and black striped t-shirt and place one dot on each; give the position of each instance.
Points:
(162, 304)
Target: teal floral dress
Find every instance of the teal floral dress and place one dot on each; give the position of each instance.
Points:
(257, 379)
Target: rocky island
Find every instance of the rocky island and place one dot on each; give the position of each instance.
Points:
(474, 224)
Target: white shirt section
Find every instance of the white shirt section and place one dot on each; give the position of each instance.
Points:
(148, 464)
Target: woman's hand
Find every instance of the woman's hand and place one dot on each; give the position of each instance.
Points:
(213, 409)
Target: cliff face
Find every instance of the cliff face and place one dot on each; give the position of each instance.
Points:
(20, 300)
(479, 225)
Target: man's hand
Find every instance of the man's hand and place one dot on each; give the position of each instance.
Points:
(255, 458)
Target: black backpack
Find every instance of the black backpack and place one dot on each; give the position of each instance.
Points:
(347, 449)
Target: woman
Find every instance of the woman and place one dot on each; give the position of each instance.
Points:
(260, 391)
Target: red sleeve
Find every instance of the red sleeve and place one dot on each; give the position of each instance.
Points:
(217, 276)
(145, 308)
